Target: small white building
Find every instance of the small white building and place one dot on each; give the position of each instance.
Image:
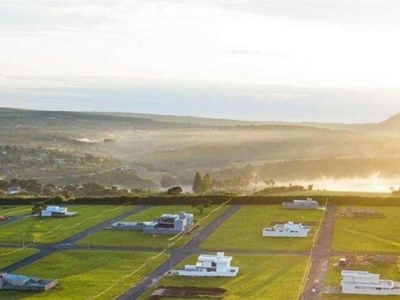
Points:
(365, 283)
(56, 211)
(309, 203)
(210, 266)
(289, 229)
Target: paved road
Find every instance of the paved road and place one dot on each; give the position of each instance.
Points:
(320, 257)
(14, 219)
(82, 234)
(29, 260)
(177, 256)
(45, 250)
(313, 288)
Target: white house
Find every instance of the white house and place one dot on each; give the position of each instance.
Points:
(56, 211)
(210, 266)
(309, 203)
(289, 229)
(365, 283)
(166, 224)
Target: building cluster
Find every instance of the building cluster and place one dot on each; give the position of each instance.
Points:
(291, 229)
(166, 224)
(219, 265)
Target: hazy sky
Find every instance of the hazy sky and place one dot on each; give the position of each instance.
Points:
(271, 60)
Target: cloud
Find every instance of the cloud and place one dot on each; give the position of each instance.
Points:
(255, 52)
(240, 42)
(377, 13)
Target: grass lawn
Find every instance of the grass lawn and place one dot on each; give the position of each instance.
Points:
(333, 193)
(243, 231)
(52, 230)
(9, 256)
(333, 279)
(15, 210)
(368, 235)
(137, 239)
(84, 274)
(267, 277)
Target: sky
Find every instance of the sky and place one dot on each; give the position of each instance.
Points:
(324, 61)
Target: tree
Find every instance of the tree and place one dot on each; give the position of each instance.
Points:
(14, 182)
(197, 183)
(48, 190)
(37, 208)
(207, 183)
(3, 184)
(270, 182)
(92, 189)
(67, 194)
(310, 187)
(174, 190)
(201, 203)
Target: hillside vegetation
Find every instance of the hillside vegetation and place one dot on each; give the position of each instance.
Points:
(155, 147)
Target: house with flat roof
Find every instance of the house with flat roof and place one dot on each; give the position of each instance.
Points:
(166, 224)
(309, 203)
(56, 211)
(210, 266)
(365, 283)
(288, 229)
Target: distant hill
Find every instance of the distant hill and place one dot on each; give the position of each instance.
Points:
(83, 120)
(179, 146)
(391, 124)
(176, 121)
(179, 121)
(190, 119)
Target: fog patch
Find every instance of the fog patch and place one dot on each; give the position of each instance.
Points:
(85, 140)
(373, 183)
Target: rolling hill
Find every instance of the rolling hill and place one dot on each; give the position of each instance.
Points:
(180, 146)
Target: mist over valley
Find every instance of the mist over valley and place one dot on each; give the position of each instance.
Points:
(158, 151)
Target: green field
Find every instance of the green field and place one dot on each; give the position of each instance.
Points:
(267, 277)
(9, 256)
(52, 230)
(15, 210)
(368, 235)
(333, 279)
(334, 193)
(84, 274)
(243, 231)
(137, 239)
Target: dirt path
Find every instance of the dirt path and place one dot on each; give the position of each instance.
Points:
(320, 257)
(177, 256)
